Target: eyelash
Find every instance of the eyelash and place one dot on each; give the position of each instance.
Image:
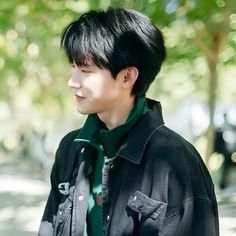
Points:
(85, 71)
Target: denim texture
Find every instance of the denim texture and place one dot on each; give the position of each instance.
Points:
(157, 185)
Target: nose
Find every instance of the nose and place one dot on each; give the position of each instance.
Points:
(73, 84)
(74, 81)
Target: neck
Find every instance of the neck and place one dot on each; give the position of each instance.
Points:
(117, 115)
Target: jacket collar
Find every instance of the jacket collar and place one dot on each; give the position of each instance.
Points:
(135, 143)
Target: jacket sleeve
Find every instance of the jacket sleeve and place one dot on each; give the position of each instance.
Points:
(189, 190)
(189, 214)
(46, 225)
(62, 167)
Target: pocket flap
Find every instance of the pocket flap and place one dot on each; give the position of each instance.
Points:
(146, 206)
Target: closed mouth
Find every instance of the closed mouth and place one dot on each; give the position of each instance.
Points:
(79, 98)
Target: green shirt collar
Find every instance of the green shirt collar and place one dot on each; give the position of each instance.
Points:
(96, 133)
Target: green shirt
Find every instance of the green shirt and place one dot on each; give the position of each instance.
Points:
(107, 142)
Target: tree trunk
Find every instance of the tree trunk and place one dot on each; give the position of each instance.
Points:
(212, 61)
(212, 88)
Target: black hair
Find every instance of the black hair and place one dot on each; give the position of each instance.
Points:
(116, 39)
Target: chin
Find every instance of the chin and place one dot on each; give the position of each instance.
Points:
(83, 111)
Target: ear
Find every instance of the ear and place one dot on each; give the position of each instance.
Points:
(128, 77)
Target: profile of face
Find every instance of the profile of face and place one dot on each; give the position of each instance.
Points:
(94, 88)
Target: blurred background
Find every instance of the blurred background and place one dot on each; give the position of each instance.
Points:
(197, 89)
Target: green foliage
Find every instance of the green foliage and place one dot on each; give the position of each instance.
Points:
(34, 69)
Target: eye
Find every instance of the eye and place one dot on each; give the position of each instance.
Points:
(86, 71)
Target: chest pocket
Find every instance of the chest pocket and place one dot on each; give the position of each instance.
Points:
(147, 207)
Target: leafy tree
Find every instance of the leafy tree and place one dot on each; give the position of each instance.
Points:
(206, 28)
(210, 33)
(32, 66)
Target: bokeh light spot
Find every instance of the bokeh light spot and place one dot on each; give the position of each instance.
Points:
(33, 50)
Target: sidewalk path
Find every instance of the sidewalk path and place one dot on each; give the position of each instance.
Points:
(227, 211)
(21, 205)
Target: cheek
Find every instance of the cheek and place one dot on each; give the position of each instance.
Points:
(94, 90)
(99, 88)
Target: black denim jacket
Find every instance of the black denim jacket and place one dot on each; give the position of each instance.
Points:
(156, 185)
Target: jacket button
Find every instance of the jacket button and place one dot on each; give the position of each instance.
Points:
(81, 197)
(134, 198)
(82, 150)
(108, 217)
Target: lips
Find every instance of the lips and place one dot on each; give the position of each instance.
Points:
(79, 98)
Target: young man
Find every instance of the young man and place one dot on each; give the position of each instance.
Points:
(124, 172)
